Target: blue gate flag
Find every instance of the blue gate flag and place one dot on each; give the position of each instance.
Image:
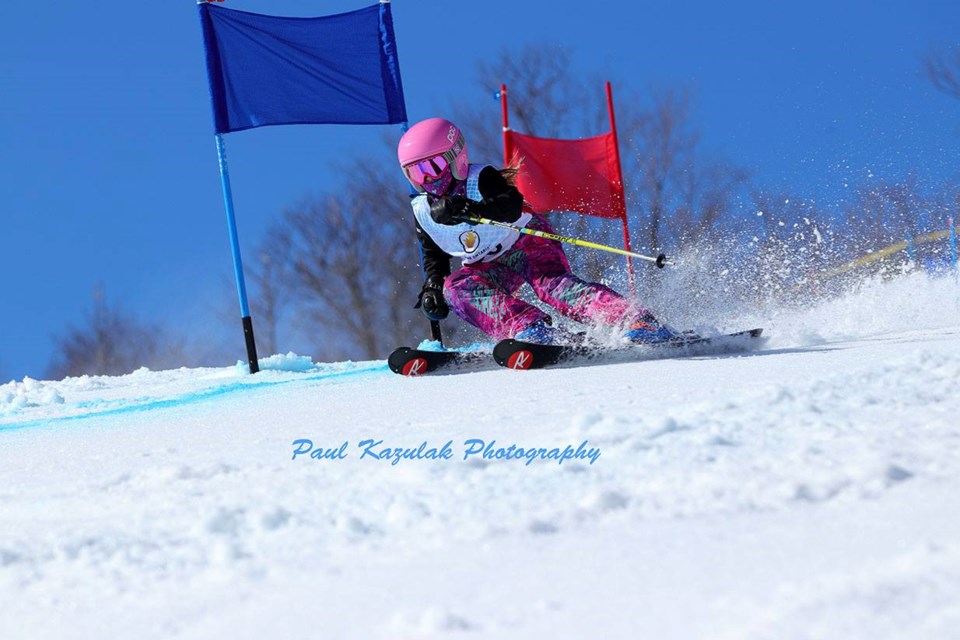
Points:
(267, 70)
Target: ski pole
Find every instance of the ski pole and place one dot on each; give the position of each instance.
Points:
(660, 260)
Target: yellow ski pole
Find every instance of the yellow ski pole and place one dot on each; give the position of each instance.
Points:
(660, 260)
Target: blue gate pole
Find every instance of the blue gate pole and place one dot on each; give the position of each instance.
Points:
(237, 261)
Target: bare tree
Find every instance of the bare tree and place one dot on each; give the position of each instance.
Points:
(678, 196)
(662, 144)
(710, 200)
(352, 265)
(548, 100)
(943, 69)
(674, 192)
(268, 277)
(113, 342)
(885, 214)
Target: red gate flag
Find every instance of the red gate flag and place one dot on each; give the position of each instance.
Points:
(569, 175)
(582, 176)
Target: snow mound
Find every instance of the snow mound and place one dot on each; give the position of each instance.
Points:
(16, 396)
(280, 362)
(877, 306)
(804, 490)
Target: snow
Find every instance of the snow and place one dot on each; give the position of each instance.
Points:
(808, 489)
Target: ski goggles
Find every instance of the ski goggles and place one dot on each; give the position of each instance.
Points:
(426, 171)
(436, 167)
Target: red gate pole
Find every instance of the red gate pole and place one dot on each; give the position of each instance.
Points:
(506, 122)
(616, 157)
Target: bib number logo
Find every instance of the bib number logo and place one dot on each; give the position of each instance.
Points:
(470, 241)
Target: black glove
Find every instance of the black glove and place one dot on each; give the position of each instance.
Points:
(503, 208)
(448, 210)
(431, 299)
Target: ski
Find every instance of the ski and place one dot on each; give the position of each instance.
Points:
(416, 362)
(515, 354)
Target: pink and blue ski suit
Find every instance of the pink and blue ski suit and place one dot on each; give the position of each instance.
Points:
(497, 261)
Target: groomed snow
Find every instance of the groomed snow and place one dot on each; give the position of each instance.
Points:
(805, 490)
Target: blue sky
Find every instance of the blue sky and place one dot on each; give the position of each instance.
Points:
(109, 172)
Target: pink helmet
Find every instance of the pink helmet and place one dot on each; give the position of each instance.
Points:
(432, 154)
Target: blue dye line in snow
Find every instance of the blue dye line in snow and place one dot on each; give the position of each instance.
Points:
(189, 398)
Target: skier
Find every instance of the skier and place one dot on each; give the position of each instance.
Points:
(497, 261)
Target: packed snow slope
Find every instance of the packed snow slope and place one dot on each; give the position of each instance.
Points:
(810, 489)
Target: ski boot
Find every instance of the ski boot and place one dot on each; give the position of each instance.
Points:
(647, 330)
(542, 333)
